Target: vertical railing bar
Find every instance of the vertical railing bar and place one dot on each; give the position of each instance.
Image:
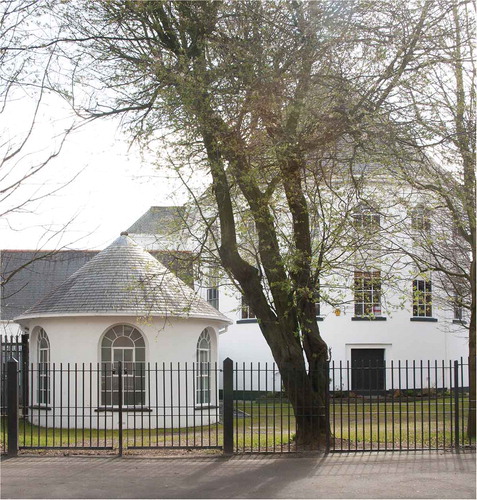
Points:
(422, 405)
(393, 432)
(444, 404)
(407, 404)
(437, 403)
(451, 403)
(429, 391)
(266, 407)
(400, 404)
(179, 400)
(274, 409)
(76, 405)
(371, 403)
(120, 406)
(259, 408)
(172, 404)
(164, 401)
(243, 399)
(341, 396)
(83, 404)
(378, 371)
(415, 401)
(194, 390)
(462, 399)
(187, 403)
(61, 400)
(156, 386)
(456, 407)
(209, 392)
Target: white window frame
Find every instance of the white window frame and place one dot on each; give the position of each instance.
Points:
(203, 389)
(213, 296)
(422, 297)
(367, 294)
(366, 218)
(246, 310)
(43, 386)
(133, 370)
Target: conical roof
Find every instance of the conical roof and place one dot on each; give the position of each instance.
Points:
(123, 280)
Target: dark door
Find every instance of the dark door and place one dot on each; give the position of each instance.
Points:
(367, 371)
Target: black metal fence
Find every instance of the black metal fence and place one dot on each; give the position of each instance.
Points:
(237, 408)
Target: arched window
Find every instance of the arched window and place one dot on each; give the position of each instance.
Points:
(204, 350)
(124, 344)
(43, 347)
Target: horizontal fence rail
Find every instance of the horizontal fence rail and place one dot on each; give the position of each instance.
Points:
(242, 408)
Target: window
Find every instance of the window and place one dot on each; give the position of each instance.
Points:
(125, 344)
(203, 369)
(43, 368)
(367, 293)
(213, 297)
(420, 219)
(458, 309)
(366, 218)
(247, 312)
(422, 298)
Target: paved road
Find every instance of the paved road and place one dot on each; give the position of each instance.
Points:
(366, 475)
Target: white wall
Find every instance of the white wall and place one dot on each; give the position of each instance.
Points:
(75, 372)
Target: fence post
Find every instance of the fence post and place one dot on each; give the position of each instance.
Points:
(326, 378)
(24, 372)
(228, 406)
(12, 407)
(456, 405)
(120, 406)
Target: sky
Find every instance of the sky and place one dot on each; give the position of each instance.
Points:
(102, 184)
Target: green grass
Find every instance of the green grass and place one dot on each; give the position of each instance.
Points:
(267, 426)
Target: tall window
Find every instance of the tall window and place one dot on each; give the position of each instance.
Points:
(458, 308)
(126, 344)
(422, 298)
(366, 218)
(247, 312)
(43, 368)
(420, 219)
(213, 296)
(367, 293)
(204, 352)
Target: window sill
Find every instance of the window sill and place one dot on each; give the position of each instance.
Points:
(460, 322)
(369, 318)
(115, 409)
(205, 407)
(251, 320)
(319, 318)
(40, 407)
(423, 319)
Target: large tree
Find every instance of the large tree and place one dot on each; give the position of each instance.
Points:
(264, 93)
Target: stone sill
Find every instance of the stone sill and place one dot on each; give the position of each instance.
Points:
(368, 318)
(424, 319)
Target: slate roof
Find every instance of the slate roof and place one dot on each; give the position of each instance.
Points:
(123, 279)
(32, 274)
(159, 220)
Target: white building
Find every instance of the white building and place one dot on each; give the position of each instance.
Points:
(122, 306)
(372, 318)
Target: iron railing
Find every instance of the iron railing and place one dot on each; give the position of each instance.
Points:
(242, 408)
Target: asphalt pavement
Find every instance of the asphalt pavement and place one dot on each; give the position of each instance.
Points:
(358, 475)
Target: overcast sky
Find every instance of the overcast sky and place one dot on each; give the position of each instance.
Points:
(113, 188)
